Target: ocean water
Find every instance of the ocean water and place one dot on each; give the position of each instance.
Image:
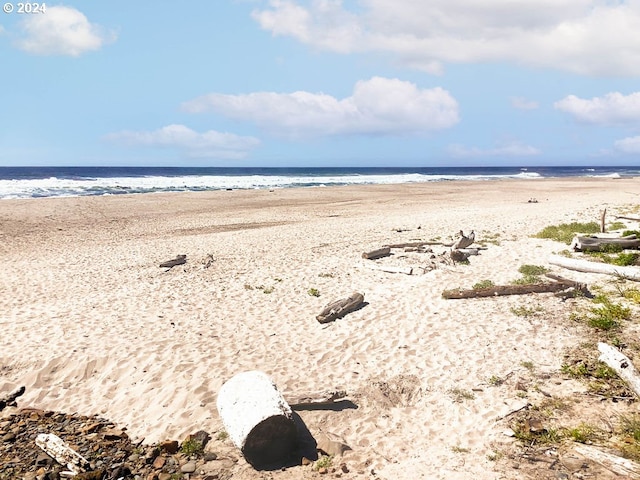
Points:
(38, 182)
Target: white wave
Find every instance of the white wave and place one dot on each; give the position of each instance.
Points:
(54, 186)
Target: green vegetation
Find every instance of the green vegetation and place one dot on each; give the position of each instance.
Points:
(495, 380)
(543, 437)
(458, 449)
(530, 274)
(222, 436)
(607, 316)
(459, 395)
(630, 430)
(583, 433)
(566, 231)
(483, 284)
(192, 446)
(323, 462)
(528, 365)
(314, 292)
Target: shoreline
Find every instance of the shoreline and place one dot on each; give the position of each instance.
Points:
(93, 325)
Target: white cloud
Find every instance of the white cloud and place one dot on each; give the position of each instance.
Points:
(628, 145)
(514, 149)
(61, 31)
(523, 104)
(592, 37)
(208, 144)
(612, 109)
(377, 106)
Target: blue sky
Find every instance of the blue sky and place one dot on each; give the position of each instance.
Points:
(321, 83)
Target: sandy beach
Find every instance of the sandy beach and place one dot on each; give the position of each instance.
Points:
(91, 323)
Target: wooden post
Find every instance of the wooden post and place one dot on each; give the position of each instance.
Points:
(603, 228)
(257, 418)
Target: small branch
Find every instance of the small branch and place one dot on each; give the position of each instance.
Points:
(320, 398)
(633, 219)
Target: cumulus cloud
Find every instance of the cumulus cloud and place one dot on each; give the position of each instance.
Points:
(628, 145)
(612, 109)
(523, 104)
(514, 149)
(208, 144)
(592, 37)
(61, 31)
(380, 106)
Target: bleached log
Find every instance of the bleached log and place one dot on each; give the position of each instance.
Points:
(257, 418)
(597, 244)
(614, 463)
(630, 273)
(379, 253)
(11, 397)
(340, 308)
(316, 398)
(389, 269)
(622, 365)
(62, 453)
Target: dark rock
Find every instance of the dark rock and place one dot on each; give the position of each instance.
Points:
(170, 446)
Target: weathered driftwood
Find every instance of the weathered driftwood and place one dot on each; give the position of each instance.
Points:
(11, 397)
(57, 449)
(630, 273)
(464, 241)
(633, 219)
(412, 244)
(379, 253)
(596, 244)
(500, 290)
(340, 308)
(316, 398)
(179, 260)
(614, 463)
(603, 227)
(257, 418)
(389, 268)
(458, 255)
(622, 365)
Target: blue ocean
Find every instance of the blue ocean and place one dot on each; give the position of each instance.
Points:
(38, 182)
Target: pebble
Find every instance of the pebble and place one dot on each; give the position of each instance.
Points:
(188, 467)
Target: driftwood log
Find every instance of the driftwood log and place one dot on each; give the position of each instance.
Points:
(11, 397)
(630, 273)
(179, 260)
(622, 365)
(412, 244)
(499, 290)
(58, 449)
(340, 308)
(597, 244)
(379, 253)
(613, 463)
(257, 418)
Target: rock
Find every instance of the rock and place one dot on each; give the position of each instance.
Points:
(158, 463)
(209, 456)
(305, 461)
(9, 437)
(188, 467)
(170, 446)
